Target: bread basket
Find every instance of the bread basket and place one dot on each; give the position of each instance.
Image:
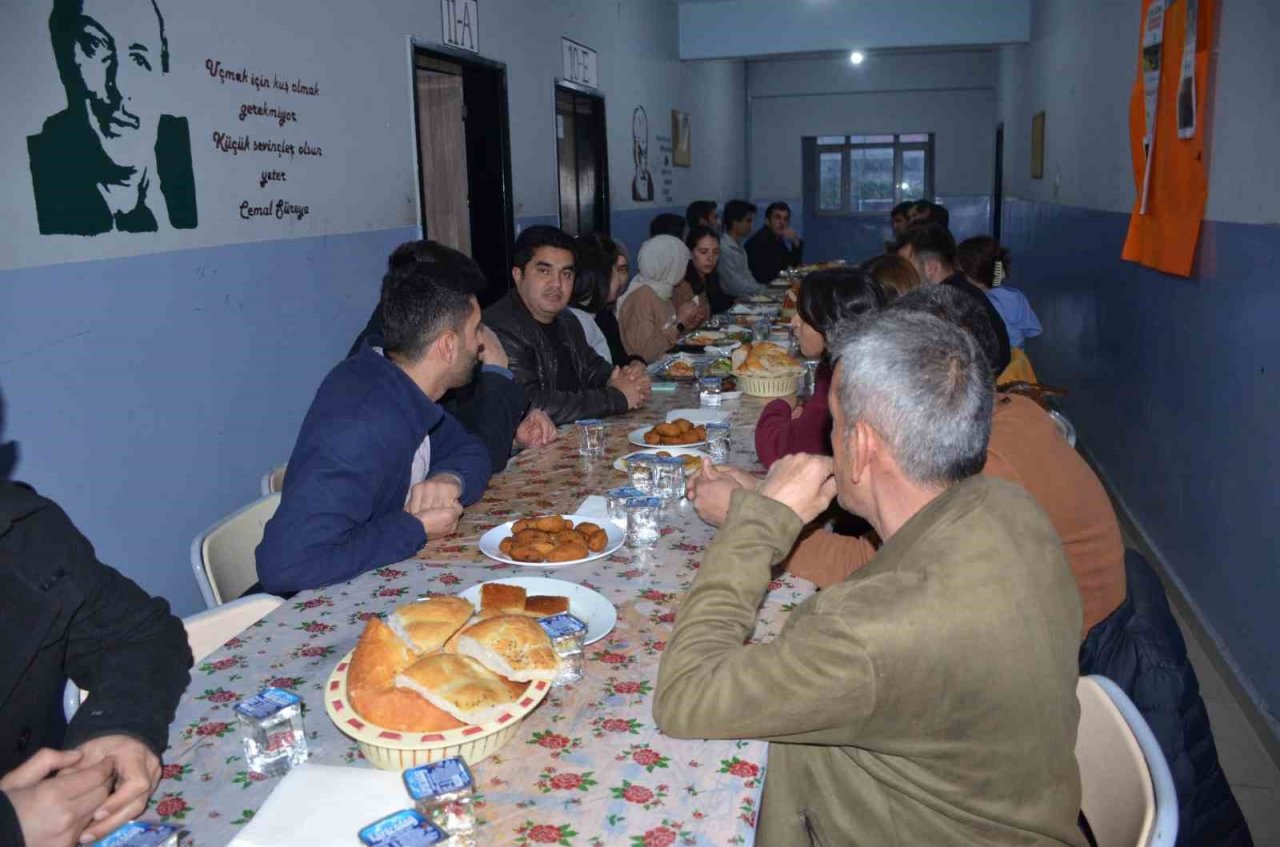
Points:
(773, 385)
(395, 750)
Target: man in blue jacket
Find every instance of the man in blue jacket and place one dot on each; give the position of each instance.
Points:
(379, 467)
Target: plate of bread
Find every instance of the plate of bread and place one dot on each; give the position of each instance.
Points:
(441, 678)
(538, 596)
(551, 541)
(680, 432)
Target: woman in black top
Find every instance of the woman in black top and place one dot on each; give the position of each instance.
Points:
(701, 274)
(602, 273)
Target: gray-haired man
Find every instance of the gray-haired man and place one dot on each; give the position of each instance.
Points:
(929, 698)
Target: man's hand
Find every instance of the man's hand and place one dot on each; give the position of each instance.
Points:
(634, 389)
(441, 520)
(791, 235)
(744, 479)
(688, 314)
(709, 491)
(802, 482)
(53, 811)
(137, 772)
(636, 368)
(491, 352)
(432, 493)
(536, 429)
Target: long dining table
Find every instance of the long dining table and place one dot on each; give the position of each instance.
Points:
(588, 766)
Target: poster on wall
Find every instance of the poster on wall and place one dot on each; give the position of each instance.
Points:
(111, 160)
(642, 181)
(681, 147)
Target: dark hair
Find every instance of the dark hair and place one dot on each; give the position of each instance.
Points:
(959, 308)
(830, 296)
(895, 274)
(777, 206)
(929, 238)
(977, 258)
(900, 210)
(63, 23)
(428, 289)
(697, 210)
(931, 212)
(737, 210)
(540, 235)
(597, 255)
(691, 276)
(667, 224)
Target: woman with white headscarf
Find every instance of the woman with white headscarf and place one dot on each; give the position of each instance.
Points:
(649, 322)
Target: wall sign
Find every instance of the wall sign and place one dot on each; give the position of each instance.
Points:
(461, 24)
(581, 64)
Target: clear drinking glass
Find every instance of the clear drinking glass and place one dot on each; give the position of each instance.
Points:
(668, 477)
(640, 469)
(272, 732)
(616, 501)
(591, 431)
(718, 441)
(809, 379)
(710, 388)
(642, 521)
(760, 329)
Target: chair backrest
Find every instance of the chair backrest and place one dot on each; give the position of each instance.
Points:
(222, 556)
(273, 481)
(1127, 790)
(206, 632)
(1066, 427)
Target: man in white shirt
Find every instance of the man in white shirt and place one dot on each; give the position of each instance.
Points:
(735, 273)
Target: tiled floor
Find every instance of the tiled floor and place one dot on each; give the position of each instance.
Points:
(1253, 776)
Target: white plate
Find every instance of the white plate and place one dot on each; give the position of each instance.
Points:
(490, 540)
(698, 416)
(590, 607)
(620, 463)
(637, 438)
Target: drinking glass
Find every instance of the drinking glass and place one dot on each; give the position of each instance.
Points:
(591, 431)
(640, 469)
(760, 329)
(718, 441)
(616, 502)
(668, 477)
(642, 521)
(709, 395)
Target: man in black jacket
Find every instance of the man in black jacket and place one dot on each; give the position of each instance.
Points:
(547, 348)
(65, 614)
(775, 245)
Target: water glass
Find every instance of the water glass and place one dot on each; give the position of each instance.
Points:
(709, 395)
(808, 380)
(271, 731)
(668, 477)
(640, 469)
(616, 501)
(642, 521)
(760, 329)
(718, 441)
(591, 431)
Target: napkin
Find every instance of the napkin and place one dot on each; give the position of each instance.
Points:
(300, 812)
(594, 506)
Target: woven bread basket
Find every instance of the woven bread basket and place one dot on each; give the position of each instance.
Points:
(755, 385)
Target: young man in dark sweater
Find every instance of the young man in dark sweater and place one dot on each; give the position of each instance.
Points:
(379, 467)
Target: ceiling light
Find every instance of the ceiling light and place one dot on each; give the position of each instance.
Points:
(857, 57)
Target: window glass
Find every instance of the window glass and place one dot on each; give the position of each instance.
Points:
(871, 175)
(871, 139)
(915, 138)
(829, 188)
(913, 168)
(831, 139)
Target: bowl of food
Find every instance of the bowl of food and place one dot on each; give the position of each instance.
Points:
(765, 369)
(440, 678)
(551, 541)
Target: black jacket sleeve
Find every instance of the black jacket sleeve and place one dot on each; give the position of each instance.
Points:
(589, 401)
(123, 646)
(10, 829)
(491, 407)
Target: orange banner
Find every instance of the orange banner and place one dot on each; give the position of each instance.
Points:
(1165, 236)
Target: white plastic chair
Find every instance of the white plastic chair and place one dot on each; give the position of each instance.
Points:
(222, 556)
(273, 481)
(1066, 427)
(206, 632)
(1127, 790)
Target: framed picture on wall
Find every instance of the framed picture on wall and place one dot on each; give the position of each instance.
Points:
(1037, 145)
(681, 147)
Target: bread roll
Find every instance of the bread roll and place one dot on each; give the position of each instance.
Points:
(514, 646)
(461, 686)
(396, 708)
(541, 606)
(378, 657)
(428, 624)
(504, 598)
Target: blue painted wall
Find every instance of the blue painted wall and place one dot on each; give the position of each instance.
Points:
(1175, 389)
(859, 237)
(148, 395)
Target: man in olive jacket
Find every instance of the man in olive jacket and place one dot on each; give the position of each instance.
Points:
(930, 698)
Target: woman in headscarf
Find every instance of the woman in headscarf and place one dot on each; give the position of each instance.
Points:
(650, 324)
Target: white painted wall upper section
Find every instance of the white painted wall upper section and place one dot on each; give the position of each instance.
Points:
(725, 29)
(1079, 68)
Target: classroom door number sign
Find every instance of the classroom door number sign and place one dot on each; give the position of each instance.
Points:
(461, 20)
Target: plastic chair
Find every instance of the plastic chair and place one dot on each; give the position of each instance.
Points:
(1066, 427)
(1127, 790)
(273, 481)
(222, 556)
(206, 632)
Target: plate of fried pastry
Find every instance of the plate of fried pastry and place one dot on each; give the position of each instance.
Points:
(441, 677)
(680, 432)
(551, 541)
(538, 596)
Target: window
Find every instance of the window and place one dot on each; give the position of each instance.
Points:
(872, 173)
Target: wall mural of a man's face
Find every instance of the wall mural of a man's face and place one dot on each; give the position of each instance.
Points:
(113, 55)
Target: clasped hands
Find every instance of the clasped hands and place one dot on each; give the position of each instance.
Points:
(633, 381)
(436, 503)
(62, 798)
(802, 482)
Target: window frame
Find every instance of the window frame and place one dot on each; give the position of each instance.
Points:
(846, 147)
